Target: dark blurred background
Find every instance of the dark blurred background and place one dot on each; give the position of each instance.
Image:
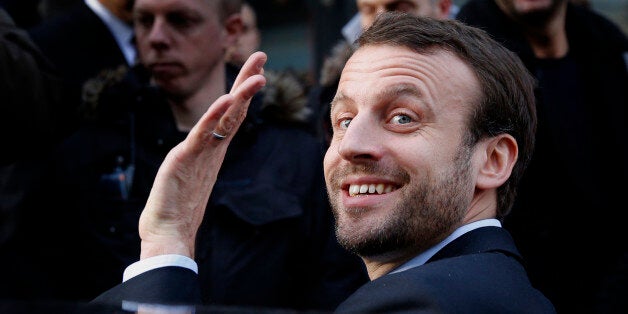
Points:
(298, 33)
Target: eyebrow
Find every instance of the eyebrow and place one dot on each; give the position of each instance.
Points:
(404, 89)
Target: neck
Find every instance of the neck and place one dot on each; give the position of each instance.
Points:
(549, 41)
(377, 266)
(189, 109)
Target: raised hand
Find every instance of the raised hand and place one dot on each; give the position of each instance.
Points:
(177, 201)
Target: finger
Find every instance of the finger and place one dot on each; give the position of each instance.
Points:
(253, 65)
(226, 114)
(236, 112)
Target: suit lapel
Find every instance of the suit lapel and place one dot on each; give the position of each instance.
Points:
(481, 240)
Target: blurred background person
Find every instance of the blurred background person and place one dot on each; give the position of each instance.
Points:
(569, 198)
(85, 39)
(285, 93)
(249, 41)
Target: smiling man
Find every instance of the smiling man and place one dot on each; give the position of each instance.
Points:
(433, 127)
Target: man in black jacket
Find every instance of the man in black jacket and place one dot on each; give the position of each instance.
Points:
(568, 201)
(433, 127)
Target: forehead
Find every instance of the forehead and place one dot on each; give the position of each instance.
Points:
(439, 77)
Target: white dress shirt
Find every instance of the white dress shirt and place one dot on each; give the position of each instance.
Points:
(427, 254)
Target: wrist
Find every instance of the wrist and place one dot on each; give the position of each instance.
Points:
(166, 247)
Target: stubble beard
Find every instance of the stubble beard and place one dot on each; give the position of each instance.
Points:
(424, 215)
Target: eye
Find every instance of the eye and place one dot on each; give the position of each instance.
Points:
(143, 20)
(401, 119)
(345, 123)
(180, 21)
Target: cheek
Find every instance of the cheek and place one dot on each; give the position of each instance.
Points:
(140, 41)
(201, 55)
(328, 162)
(421, 161)
(367, 20)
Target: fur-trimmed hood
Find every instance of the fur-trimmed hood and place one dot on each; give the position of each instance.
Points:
(285, 97)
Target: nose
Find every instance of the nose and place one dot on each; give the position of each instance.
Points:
(362, 141)
(159, 34)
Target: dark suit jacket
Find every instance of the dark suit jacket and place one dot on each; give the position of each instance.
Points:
(79, 45)
(480, 272)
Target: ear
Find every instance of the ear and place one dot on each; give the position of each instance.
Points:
(233, 28)
(500, 156)
(444, 8)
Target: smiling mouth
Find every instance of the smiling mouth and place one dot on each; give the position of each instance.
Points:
(369, 189)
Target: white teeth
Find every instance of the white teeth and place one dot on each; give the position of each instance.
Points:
(354, 190)
(364, 188)
(380, 188)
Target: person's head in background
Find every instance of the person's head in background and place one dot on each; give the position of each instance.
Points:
(249, 40)
(183, 44)
(431, 132)
(370, 9)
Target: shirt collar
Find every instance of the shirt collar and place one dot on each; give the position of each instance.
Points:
(121, 31)
(427, 254)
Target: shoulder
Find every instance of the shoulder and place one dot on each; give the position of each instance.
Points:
(477, 12)
(484, 282)
(77, 14)
(282, 105)
(592, 29)
(284, 98)
(480, 272)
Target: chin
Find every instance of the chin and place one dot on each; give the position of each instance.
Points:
(528, 6)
